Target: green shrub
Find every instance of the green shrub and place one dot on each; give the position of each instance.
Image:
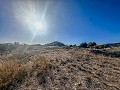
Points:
(70, 45)
(91, 44)
(83, 45)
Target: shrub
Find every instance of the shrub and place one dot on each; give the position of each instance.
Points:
(70, 45)
(83, 45)
(102, 46)
(74, 45)
(90, 44)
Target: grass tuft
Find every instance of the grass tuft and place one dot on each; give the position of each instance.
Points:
(12, 72)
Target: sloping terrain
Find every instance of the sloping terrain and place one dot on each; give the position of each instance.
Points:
(67, 69)
(55, 43)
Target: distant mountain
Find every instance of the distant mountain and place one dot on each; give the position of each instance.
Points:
(55, 43)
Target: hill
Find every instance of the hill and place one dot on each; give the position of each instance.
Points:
(59, 68)
(113, 44)
(55, 43)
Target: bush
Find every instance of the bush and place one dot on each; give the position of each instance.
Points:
(70, 45)
(90, 44)
(106, 53)
(74, 45)
(83, 45)
(106, 46)
(102, 46)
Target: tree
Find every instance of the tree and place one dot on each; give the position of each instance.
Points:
(74, 45)
(91, 44)
(83, 45)
(16, 43)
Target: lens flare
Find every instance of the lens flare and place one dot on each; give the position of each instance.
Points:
(39, 25)
(31, 15)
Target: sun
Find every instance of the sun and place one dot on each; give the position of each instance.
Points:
(39, 26)
(32, 17)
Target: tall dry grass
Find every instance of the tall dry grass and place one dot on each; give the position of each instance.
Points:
(10, 71)
(14, 71)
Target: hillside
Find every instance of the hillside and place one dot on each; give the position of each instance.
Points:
(113, 44)
(55, 43)
(59, 69)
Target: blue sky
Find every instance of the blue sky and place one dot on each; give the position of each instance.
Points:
(68, 21)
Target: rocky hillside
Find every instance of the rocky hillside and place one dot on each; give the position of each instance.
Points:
(113, 44)
(60, 69)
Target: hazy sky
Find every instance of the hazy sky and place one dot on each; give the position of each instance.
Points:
(68, 21)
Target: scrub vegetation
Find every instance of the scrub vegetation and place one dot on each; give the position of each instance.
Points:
(64, 68)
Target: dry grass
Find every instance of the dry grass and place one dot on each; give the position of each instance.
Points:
(71, 69)
(9, 70)
(41, 63)
(14, 71)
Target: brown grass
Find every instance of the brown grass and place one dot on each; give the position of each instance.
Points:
(14, 71)
(8, 71)
(65, 70)
(41, 63)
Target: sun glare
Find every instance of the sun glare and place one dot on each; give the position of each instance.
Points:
(33, 17)
(39, 25)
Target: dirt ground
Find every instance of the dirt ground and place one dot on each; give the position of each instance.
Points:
(71, 69)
